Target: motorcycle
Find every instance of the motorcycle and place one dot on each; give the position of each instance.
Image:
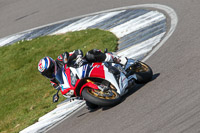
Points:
(102, 83)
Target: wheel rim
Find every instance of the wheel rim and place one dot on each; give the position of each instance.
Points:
(110, 94)
(141, 68)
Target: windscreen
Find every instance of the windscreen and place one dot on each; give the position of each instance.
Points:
(59, 76)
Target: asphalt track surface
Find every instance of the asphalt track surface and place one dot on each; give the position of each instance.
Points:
(170, 103)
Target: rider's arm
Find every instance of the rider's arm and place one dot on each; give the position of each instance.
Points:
(74, 55)
(55, 84)
(60, 60)
(68, 59)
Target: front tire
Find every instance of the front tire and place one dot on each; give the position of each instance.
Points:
(94, 96)
(143, 73)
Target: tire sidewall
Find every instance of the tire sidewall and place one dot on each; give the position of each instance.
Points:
(98, 101)
(144, 77)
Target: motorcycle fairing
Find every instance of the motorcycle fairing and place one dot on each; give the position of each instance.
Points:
(123, 83)
(89, 84)
(66, 81)
(110, 77)
(98, 70)
(93, 70)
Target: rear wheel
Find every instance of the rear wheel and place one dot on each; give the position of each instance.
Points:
(108, 98)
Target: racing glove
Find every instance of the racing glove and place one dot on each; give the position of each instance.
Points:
(116, 59)
(57, 88)
(54, 83)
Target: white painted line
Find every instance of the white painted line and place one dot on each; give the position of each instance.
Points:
(9, 39)
(74, 112)
(137, 23)
(174, 21)
(86, 22)
(141, 48)
(54, 117)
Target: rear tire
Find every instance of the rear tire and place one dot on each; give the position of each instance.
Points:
(91, 97)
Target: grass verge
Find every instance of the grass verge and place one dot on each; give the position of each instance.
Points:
(25, 95)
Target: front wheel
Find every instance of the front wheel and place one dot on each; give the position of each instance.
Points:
(143, 72)
(98, 97)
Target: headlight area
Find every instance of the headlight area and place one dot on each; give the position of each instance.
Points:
(73, 78)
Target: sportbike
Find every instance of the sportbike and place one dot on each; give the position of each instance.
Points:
(102, 84)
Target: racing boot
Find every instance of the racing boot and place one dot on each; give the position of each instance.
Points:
(116, 59)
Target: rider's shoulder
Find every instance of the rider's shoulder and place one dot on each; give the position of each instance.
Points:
(60, 57)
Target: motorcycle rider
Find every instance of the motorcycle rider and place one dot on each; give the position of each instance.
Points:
(49, 67)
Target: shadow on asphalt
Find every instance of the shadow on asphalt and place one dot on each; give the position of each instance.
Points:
(139, 86)
(133, 90)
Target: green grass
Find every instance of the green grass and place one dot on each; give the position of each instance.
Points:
(25, 95)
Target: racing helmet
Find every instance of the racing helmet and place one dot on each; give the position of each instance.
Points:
(47, 67)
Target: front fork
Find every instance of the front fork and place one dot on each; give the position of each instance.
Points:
(100, 87)
(90, 84)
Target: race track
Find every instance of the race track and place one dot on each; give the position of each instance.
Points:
(170, 103)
